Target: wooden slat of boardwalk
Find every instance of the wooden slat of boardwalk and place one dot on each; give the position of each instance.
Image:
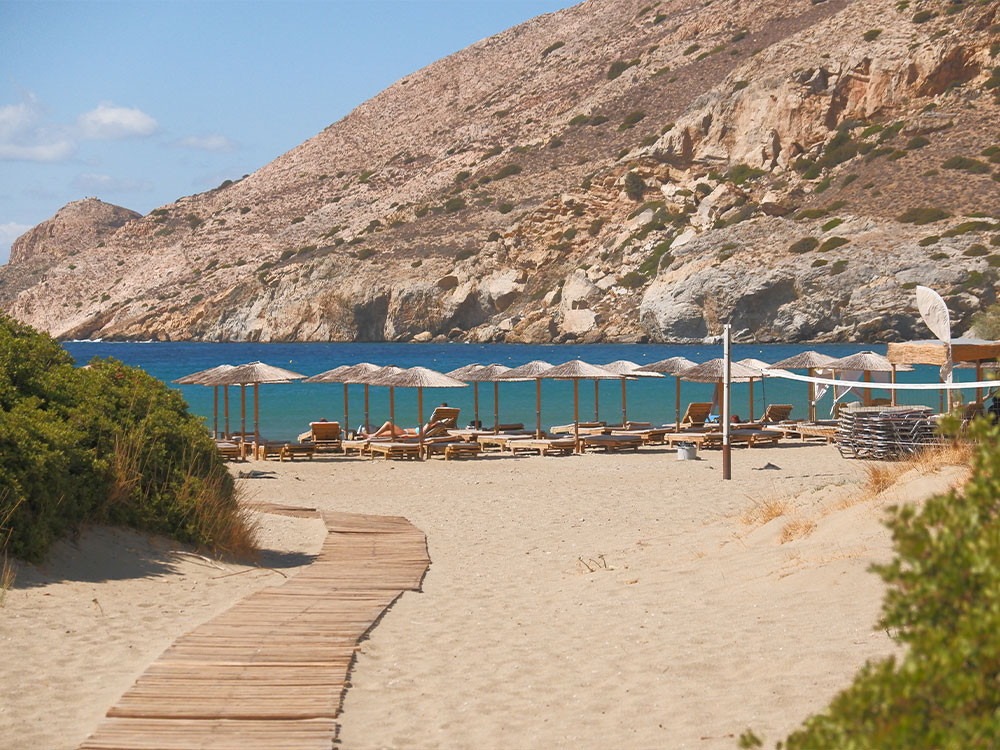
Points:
(271, 671)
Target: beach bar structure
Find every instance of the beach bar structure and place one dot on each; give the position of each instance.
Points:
(934, 352)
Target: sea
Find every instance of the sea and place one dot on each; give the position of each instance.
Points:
(287, 408)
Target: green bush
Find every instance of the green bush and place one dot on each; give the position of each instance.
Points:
(508, 171)
(833, 223)
(943, 604)
(632, 119)
(634, 186)
(917, 142)
(740, 173)
(921, 216)
(965, 164)
(930, 240)
(595, 227)
(552, 48)
(454, 204)
(620, 66)
(832, 244)
(805, 245)
(505, 208)
(871, 35)
(632, 280)
(104, 444)
(976, 251)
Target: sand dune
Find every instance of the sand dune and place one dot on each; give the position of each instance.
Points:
(626, 601)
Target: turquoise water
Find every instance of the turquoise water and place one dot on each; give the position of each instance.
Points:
(287, 409)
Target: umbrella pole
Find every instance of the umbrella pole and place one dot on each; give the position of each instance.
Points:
(496, 407)
(979, 379)
(624, 418)
(475, 405)
(243, 411)
(392, 413)
(576, 415)
(597, 401)
(751, 399)
(892, 393)
(225, 395)
(538, 408)
(346, 420)
(420, 416)
(677, 404)
(812, 398)
(256, 413)
(367, 427)
(215, 412)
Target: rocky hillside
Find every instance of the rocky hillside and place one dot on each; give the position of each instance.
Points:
(77, 226)
(621, 170)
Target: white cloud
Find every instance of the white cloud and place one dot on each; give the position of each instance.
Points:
(110, 122)
(25, 137)
(92, 183)
(8, 233)
(213, 142)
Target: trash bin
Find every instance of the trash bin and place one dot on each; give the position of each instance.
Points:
(687, 451)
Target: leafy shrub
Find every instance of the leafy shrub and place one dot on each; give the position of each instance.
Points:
(507, 171)
(930, 240)
(922, 16)
(848, 180)
(921, 216)
(871, 35)
(964, 163)
(838, 267)
(692, 49)
(833, 223)
(364, 253)
(832, 244)
(365, 175)
(819, 263)
(463, 175)
(740, 173)
(632, 280)
(505, 208)
(634, 186)
(454, 204)
(976, 251)
(197, 298)
(552, 48)
(939, 256)
(660, 256)
(812, 213)
(595, 227)
(286, 254)
(105, 444)
(805, 245)
(579, 120)
(620, 66)
(943, 604)
(596, 120)
(917, 142)
(298, 220)
(632, 119)
(495, 151)
(464, 254)
(493, 236)
(967, 226)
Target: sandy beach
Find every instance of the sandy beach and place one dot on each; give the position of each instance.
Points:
(587, 601)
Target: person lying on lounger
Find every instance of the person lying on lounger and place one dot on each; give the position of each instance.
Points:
(388, 430)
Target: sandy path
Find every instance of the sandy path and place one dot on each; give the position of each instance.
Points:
(594, 601)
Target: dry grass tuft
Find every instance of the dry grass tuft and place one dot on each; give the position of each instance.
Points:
(765, 510)
(881, 476)
(797, 528)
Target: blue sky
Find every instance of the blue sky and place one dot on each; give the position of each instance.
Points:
(142, 102)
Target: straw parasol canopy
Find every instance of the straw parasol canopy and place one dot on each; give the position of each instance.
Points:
(252, 373)
(627, 369)
(531, 371)
(360, 374)
(715, 370)
(805, 361)
(419, 378)
(334, 376)
(867, 362)
(576, 370)
(488, 374)
(198, 378)
(672, 366)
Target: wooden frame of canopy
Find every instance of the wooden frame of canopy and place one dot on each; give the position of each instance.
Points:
(934, 352)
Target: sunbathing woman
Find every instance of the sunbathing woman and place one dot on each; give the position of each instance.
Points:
(388, 430)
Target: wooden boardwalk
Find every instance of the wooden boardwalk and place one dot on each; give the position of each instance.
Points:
(271, 672)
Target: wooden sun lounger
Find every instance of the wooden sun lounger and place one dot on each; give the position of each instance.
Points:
(653, 436)
(502, 441)
(394, 449)
(229, 450)
(611, 443)
(291, 450)
(544, 446)
(451, 449)
(804, 430)
(563, 429)
(265, 448)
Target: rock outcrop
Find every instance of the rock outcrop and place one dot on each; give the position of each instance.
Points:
(616, 171)
(80, 225)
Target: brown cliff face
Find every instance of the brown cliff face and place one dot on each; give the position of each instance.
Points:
(80, 225)
(618, 170)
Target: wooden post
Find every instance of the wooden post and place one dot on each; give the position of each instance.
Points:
(677, 404)
(256, 413)
(597, 400)
(727, 468)
(243, 412)
(538, 408)
(475, 397)
(866, 394)
(215, 411)
(496, 407)
(979, 378)
(892, 393)
(225, 396)
(751, 399)
(812, 397)
(392, 414)
(576, 415)
(347, 424)
(367, 428)
(624, 418)
(420, 423)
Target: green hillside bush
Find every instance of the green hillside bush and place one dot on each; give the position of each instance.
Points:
(943, 604)
(108, 443)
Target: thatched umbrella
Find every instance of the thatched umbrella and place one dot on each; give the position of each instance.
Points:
(759, 365)
(714, 371)
(419, 378)
(577, 370)
(198, 378)
(489, 374)
(672, 366)
(865, 362)
(361, 374)
(369, 374)
(252, 373)
(626, 370)
(333, 376)
(463, 373)
(809, 361)
(531, 371)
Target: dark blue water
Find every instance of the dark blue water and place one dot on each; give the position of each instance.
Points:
(287, 409)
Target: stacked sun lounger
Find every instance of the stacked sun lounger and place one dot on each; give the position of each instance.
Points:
(886, 432)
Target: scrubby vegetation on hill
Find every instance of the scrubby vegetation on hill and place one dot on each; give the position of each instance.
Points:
(943, 604)
(107, 443)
